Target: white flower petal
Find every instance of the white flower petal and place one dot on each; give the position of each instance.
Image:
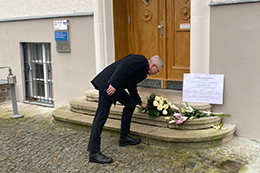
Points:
(155, 103)
(172, 121)
(161, 102)
(157, 98)
(159, 107)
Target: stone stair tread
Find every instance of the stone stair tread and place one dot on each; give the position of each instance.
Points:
(81, 105)
(146, 131)
(152, 131)
(174, 96)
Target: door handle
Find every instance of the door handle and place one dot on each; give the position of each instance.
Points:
(161, 27)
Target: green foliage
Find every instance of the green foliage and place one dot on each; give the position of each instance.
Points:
(221, 115)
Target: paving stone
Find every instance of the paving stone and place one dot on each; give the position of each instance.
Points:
(36, 143)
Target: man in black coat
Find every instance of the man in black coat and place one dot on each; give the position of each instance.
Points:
(123, 74)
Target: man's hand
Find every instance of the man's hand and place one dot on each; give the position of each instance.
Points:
(143, 105)
(111, 90)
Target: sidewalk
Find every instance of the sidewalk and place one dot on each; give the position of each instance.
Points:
(37, 143)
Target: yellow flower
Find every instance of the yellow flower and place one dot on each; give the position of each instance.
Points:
(165, 106)
(161, 102)
(157, 98)
(164, 112)
(159, 107)
(155, 103)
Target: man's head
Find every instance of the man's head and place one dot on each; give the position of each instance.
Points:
(155, 65)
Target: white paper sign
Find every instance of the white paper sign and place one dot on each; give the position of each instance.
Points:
(203, 88)
(60, 25)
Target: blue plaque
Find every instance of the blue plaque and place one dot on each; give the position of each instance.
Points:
(61, 36)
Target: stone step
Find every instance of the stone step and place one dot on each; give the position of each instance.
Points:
(81, 105)
(196, 133)
(154, 135)
(174, 96)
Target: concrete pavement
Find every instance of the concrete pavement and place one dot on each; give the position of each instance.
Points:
(37, 143)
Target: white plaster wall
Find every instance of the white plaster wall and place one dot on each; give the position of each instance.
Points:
(234, 52)
(27, 8)
(72, 72)
(110, 32)
(103, 31)
(199, 42)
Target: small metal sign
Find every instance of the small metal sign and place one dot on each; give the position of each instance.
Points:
(63, 46)
(61, 36)
(184, 26)
(60, 25)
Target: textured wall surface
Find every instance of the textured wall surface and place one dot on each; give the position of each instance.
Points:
(26, 8)
(234, 52)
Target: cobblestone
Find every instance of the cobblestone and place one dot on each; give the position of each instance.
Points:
(37, 143)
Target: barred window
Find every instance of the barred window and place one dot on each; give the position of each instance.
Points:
(38, 73)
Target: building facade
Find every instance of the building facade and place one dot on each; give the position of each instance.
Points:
(29, 47)
(215, 36)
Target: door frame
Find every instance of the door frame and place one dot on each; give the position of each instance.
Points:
(167, 54)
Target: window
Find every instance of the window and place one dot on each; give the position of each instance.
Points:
(38, 73)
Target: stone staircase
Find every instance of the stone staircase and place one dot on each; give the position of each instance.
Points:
(196, 133)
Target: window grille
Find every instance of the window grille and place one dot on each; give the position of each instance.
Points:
(38, 73)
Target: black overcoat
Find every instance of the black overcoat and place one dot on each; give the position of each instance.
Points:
(125, 73)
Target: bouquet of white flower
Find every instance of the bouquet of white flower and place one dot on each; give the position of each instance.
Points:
(158, 106)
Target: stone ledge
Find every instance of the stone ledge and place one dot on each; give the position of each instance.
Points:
(150, 134)
(81, 105)
(173, 96)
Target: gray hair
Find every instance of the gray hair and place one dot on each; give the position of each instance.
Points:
(158, 58)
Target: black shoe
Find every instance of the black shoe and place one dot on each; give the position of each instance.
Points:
(99, 158)
(129, 141)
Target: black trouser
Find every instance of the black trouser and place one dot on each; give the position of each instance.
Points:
(101, 116)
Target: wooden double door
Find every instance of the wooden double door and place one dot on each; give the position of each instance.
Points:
(155, 27)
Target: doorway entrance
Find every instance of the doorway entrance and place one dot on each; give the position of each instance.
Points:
(155, 27)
